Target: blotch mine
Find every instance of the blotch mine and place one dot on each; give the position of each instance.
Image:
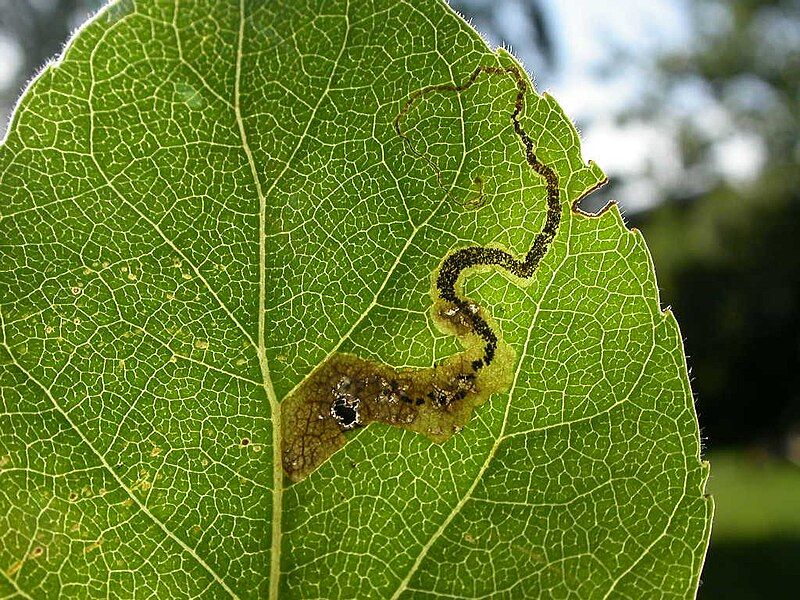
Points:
(348, 392)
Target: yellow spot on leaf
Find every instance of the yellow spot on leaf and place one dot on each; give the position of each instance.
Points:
(15, 567)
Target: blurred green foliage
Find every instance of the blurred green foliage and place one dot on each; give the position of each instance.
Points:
(755, 542)
(727, 263)
(757, 497)
(727, 258)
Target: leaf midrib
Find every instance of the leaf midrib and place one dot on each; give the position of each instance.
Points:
(275, 409)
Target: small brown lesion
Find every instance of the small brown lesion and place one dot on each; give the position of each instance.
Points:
(12, 570)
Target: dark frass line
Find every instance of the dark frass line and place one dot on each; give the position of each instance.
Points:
(347, 392)
(472, 256)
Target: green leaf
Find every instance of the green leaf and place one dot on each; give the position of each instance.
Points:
(216, 213)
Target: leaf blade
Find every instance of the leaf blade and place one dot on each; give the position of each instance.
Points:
(194, 172)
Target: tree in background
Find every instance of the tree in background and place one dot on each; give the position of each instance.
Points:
(522, 25)
(725, 245)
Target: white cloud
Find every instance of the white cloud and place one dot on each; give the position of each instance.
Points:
(740, 157)
(10, 61)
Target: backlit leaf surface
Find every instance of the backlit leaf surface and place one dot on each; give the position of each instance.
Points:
(204, 201)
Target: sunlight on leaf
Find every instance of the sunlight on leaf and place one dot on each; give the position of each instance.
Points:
(296, 301)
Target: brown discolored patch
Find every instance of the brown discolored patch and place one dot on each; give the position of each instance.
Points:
(348, 392)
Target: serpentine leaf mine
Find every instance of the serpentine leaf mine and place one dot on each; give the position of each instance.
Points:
(346, 392)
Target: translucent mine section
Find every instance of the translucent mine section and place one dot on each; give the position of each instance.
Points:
(347, 392)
